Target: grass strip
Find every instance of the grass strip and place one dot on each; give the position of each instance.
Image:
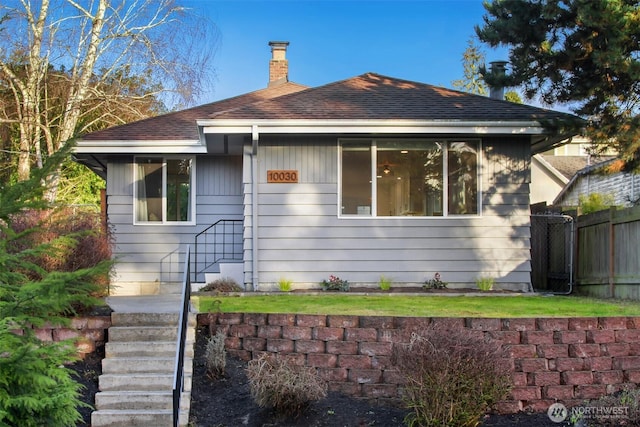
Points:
(420, 306)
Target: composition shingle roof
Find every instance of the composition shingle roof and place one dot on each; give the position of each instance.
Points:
(181, 125)
(377, 97)
(369, 96)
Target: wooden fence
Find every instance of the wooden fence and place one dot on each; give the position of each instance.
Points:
(608, 254)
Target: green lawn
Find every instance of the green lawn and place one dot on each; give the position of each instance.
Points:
(420, 306)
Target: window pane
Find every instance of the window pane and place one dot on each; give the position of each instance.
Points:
(178, 189)
(149, 190)
(356, 179)
(409, 178)
(463, 178)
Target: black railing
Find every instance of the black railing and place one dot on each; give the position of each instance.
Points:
(178, 373)
(221, 241)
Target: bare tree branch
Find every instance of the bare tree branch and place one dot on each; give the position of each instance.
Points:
(67, 56)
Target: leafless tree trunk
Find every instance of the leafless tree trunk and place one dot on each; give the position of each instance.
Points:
(97, 43)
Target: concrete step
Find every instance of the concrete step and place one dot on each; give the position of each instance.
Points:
(147, 333)
(138, 371)
(148, 319)
(139, 400)
(136, 418)
(141, 365)
(140, 382)
(144, 319)
(145, 349)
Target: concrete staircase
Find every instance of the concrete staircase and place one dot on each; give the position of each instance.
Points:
(138, 369)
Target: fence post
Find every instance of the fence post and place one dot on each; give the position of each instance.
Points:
(612, 254)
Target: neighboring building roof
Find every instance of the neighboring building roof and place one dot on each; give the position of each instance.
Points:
(567, 166)
(181, 125)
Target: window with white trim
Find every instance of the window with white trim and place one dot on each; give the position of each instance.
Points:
(164, 190)
(409, 177)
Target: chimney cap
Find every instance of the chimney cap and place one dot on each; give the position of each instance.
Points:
(499, 64)
(278, 44)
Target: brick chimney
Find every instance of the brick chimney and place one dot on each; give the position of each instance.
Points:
(278, 66)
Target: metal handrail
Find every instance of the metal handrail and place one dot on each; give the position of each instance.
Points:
(178, 373)
(224, 246)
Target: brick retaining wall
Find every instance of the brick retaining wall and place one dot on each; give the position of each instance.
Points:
(553, 359)
(90, 332)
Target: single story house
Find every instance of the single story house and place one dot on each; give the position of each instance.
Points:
(360, 178)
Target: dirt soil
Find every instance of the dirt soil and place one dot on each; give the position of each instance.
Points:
(87, 372)
(227, 402)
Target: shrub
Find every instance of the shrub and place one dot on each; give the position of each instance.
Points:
(384, 283)
(335, 284)
(275, 382)
(36, 389)
(225, 284)
(594, 202)
(285, 285)
(485, 283)
(435, 283)
(67, 239)
(215, 355)
(451, 377)
(626, 401)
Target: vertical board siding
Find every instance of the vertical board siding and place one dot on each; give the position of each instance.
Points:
(302, 238)
(154, 253)
(315, 160)
(606, 236)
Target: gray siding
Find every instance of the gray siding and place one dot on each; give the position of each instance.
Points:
(154, 253)
(302, 238)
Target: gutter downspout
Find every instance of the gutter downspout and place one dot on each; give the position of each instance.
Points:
(255, 137)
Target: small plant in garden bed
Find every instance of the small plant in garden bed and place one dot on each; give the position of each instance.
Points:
(285, 285)
(225, 284)
(335, 284)
(485, 283)
(215, 355)
(278, 383)
(384, 283)
(435, 283)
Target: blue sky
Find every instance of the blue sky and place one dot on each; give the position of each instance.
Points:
(331, 40)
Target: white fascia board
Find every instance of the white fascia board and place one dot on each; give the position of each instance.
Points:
(538, 158)
(211, 126)
(138, 147)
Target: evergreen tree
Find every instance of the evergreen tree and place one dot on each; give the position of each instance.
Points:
(35, 387)
(585, 54)
(472, 61)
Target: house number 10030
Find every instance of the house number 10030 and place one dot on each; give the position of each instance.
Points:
(282, 176)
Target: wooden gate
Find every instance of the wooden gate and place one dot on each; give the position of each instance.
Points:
(552, 246)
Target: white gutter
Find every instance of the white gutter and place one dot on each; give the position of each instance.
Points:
(140, 147)
(255, 137)
(244, 126)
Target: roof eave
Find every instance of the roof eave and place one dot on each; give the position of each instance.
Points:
(140, 147)
(302, 126)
